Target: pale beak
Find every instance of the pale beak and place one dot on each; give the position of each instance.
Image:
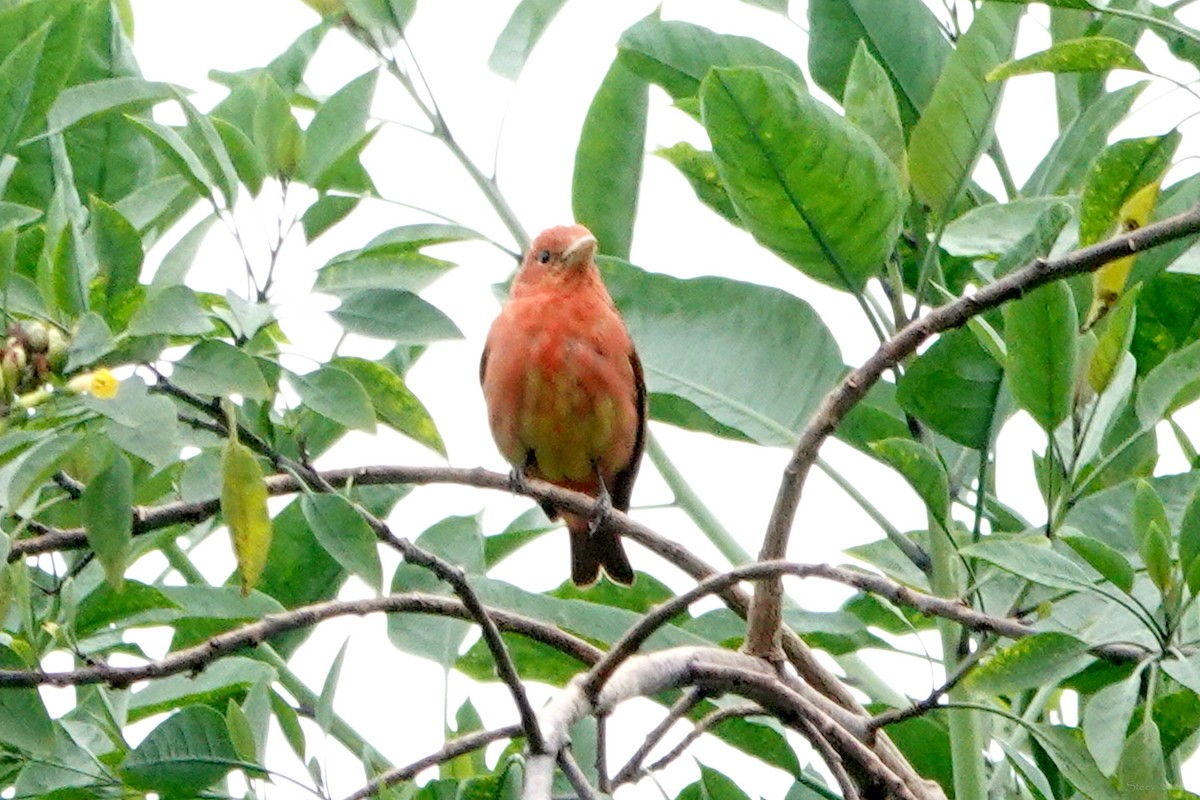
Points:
(580, 251)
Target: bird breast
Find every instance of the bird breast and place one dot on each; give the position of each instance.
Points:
(559, 385)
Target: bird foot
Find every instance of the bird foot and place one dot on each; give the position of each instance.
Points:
(601, 511)
(517, 483)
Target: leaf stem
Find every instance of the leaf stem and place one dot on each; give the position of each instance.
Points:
(690, 503)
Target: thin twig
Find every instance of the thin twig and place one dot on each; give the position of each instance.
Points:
(633, 767)
(703, 726)
(579, 782)
(892, 716)
(452, 749)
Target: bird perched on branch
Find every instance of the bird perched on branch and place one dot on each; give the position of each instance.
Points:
(565, 393)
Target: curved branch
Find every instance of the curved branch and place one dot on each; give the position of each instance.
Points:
(197, 658)
(716, 672)
(702, 726)
(766, 616)
(452, 749)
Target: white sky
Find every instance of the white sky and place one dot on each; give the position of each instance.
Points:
(393, 700)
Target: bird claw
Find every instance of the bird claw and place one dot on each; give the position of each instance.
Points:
(517, 482)
(601, 511)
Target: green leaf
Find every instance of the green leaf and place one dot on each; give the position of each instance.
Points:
(142, 424)
(90, 341)
(177, 261)
(787, 359)
(956, 126)
(699, 168)
(1064, 166)
(1142, 772)
(1092, 53)
(24, 721)
(86, 102)
(1040, 330)
(18, 72)
(953, 388)
(1155, 550)
(1189, 544)
(219, 369)
(809, 185)
(395, 404)
(246, 160)
(459, 541)
(241, 733)
(336, 130)
(106, 605)
(904, 37)
(276, 133)
(324, 710)
(999, 228)
(608, 160)
(107, 508)
(717, 786)
(1106, 718)
(528, 22)
(336, 394)
(1171, 385)
(392, 260)
(1032, 560)
(210, 148)
(1114, 334)
(174, 311)
(69, 269)
(326, 212)
(870, 103)
(1104, 559)
(244, 509)
(1029, 771)
(345, 535)
(394, 314)
(676, 55)
(299, 570)
(923, 471)
(1148, 510)
(1122, 169)
(119, 250)
(1065, 748)
(178, 153)
(38, 464)
(185, 754)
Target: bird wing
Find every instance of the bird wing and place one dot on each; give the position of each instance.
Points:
(622, 487)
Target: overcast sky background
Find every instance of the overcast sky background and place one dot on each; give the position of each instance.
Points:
(395, 701)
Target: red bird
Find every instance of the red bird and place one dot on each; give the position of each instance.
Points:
(565, 393)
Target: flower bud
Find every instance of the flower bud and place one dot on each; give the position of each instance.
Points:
(37, 339)
(56, 349)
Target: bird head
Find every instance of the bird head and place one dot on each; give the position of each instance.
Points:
(562, 247)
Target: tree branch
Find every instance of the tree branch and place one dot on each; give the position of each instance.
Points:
(452, 749)
(196, 659)
(762, 637)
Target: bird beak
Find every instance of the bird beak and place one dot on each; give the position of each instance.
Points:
(580, 251)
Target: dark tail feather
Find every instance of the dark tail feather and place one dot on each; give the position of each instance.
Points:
(592, 552)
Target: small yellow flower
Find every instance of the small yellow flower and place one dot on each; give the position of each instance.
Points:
(99, 383)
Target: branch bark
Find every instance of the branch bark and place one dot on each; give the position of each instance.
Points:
(762, 638)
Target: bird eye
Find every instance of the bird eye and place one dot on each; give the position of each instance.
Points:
(544, 256)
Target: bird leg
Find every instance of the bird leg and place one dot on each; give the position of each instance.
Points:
(517, 483)
(602, 510)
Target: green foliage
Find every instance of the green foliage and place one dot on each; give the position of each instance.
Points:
(150, 394)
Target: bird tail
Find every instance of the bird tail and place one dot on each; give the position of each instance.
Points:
(591, 552)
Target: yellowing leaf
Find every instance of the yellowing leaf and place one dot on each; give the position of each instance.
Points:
(244, 506)
(1109, 281)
